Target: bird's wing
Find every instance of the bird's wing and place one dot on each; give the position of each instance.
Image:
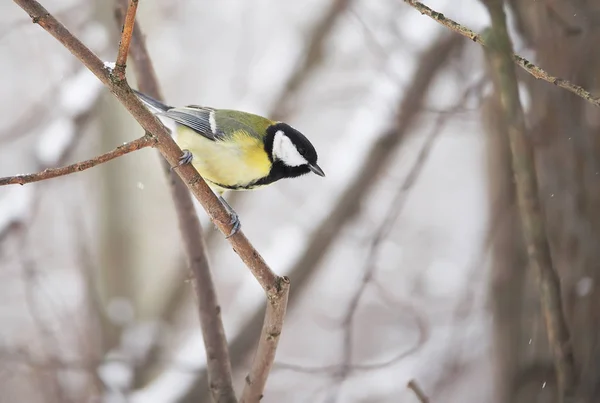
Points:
(198, 118)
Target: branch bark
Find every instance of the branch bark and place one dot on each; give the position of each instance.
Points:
(532, 220)
(520, 61)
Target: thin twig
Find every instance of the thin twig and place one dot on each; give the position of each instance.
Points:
(126, 34)
(412, 385)
(532, 219)
(525, 64)
(213, 331)
(142, 142)
(267, 345)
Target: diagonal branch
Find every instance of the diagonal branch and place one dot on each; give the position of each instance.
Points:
(269, 281)
(165, 144)
(142, 142)
(530, 209)
(213, 332)
(520, 61)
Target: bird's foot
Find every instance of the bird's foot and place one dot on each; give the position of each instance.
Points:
(186, 157)
(234, 218)
(236, 224)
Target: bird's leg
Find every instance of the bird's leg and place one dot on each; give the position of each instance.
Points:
(235, 219)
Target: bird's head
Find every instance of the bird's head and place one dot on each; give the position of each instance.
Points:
(290, 151)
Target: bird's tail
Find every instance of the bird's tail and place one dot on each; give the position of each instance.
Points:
(154, 105)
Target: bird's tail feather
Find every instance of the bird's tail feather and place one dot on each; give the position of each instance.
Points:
(154, 105)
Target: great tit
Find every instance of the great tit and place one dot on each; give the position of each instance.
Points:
(234, 150)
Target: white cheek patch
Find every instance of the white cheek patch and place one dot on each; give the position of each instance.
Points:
(285, 150)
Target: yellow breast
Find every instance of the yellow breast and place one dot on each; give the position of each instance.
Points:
(238, 161)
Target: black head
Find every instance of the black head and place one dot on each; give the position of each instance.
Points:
(291, 152)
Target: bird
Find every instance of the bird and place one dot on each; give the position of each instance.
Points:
(235, 150)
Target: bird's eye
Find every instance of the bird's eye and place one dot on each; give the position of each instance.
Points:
(301, 150)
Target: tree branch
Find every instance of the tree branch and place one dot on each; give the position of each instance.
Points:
(532, 220)
(213, 332)
(520, 61)
(267, 345)
(269, 281)
(142, 142)
(126, 33)
(414, 386)
(165, 144)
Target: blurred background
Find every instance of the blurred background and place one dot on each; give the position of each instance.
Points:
(406, 261)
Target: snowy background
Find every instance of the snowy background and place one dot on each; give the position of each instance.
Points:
(92, 276)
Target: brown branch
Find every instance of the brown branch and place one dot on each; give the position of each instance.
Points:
(412, 385)
(165, 144)
(530, 210)
(213, 332)
(142, 142)
(268, 280)
(126, 33)
(267, 345)
(520, 61)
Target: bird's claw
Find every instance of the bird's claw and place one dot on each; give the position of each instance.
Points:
(235, 224)
(185, 158)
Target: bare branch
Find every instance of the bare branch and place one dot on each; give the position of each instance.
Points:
(520, 61)
(532, 220)
(126, 33)
(213, 333)
(267, 345)
(142, 142)
(412, 385)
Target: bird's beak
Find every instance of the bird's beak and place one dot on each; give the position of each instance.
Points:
(316, 169)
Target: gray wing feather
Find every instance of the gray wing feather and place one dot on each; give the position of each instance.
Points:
(196, 118)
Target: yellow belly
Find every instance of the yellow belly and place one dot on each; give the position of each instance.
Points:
(229, 163)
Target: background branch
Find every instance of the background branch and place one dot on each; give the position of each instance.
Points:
(532, 220)
(520, 61)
